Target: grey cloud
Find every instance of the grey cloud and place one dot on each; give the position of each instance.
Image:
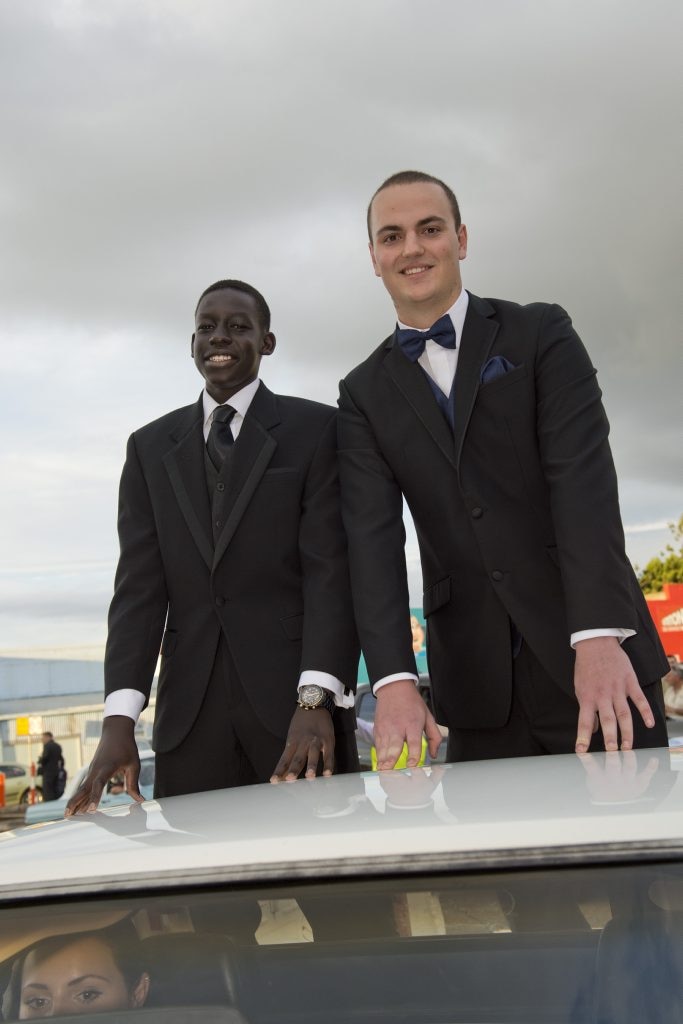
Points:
(149, 149)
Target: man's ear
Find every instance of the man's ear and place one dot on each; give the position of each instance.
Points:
(462, 240)
(374, 261)
(192, 346)
(268, 346)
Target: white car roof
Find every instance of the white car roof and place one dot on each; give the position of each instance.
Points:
(447, 817)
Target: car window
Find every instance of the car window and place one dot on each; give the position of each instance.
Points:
(366, 707)
(543, 946)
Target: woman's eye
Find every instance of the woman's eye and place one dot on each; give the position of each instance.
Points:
(36, 1003)
(88, 995)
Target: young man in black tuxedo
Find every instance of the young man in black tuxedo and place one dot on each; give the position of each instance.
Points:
(487, 417)
(233, 563)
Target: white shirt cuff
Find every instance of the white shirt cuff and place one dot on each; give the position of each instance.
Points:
(588, 634)
(392, 679)
(324, 679)
(124, 702)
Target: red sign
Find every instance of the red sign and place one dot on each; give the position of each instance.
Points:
(666, 609)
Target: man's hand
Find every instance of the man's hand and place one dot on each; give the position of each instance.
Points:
(311, 733)
(603, 680)
(117, 751)
(401, 717)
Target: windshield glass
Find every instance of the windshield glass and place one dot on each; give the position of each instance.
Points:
(575, 945)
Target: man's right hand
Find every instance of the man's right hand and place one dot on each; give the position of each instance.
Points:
(117, 751)
(401, 716)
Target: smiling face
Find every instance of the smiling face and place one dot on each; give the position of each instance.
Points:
(416, 249)
(228, 341)
(81, 977)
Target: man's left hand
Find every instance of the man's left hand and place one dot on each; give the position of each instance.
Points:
(603, 680)
(311, 733)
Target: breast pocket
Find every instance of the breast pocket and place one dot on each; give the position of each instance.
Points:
(505, 380)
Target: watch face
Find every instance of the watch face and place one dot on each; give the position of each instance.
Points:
(311, 694)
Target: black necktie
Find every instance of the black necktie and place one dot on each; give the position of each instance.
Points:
(220, 439)
(413, 342)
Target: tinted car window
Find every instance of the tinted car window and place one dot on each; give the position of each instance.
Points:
(584, 945)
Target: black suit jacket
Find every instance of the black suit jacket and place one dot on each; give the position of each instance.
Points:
(516, 511)
(275, 583)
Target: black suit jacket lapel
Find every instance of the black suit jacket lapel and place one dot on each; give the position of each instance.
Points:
(250, 457)
(185, 467)
(411, 381)
(477, 338)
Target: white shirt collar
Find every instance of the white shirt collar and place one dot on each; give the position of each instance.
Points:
(240, 402)
(457, 313)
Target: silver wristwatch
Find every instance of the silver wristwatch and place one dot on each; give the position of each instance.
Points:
(312, 696)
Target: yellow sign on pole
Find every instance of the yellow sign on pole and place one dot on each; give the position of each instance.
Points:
(29, 725)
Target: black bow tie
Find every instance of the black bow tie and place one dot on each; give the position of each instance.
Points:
(413, 342)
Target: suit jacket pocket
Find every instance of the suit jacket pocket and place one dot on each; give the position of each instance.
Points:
(168, 643)
(504, 381)
(436, 596)
(293, 626)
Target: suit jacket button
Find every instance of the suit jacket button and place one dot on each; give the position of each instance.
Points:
(220, 601)
(497, 575)
(477, 512)
(220, 486)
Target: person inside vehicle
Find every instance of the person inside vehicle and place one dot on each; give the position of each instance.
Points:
(86, 972)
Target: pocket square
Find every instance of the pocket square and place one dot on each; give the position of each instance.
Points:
(494, 368)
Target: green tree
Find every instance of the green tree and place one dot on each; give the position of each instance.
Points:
(667, 567)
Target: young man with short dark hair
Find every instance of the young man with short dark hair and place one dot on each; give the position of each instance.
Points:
(486, 416)
(233, 564)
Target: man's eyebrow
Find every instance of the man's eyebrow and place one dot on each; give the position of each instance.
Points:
(434, 218)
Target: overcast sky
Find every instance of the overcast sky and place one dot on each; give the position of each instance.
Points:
(151, 148)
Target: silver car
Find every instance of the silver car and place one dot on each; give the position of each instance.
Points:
(546, 890)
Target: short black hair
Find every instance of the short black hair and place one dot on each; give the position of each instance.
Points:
(414, 178)
(248, 289)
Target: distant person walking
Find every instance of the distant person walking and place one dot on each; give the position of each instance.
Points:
(50, 764)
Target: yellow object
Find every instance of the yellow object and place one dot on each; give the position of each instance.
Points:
(402, 757)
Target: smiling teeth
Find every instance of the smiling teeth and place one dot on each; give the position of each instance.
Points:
(221, 359)
(415, 270)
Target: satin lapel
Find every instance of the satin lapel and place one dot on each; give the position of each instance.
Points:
(413, 385)
(185, 467)
(477, 339)
(250, 457)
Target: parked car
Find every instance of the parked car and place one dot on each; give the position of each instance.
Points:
(542, 890)
(18, 784)
(366, 702)
(53, 810)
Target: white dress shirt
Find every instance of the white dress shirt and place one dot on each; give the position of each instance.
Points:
(440, 364)
(131, 702)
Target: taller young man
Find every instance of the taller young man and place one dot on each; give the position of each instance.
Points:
(233, 552)
(487, 417)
